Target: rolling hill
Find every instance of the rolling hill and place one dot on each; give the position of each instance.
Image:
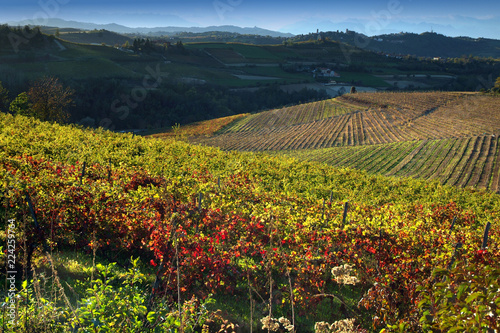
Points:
(90, 37)
(427, 44)
(181, 237)
(227, 78)
(449, 137)
(245, 227)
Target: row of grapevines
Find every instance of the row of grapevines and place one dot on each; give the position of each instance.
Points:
(239, 237)
(226, 223)
(464, 162)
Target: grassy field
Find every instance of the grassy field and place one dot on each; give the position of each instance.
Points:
(206, 62)
(239, 53)
(94, 37)
(79, 60)
(202, 128)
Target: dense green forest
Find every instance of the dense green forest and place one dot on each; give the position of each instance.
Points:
(174, 102)
(111, 103)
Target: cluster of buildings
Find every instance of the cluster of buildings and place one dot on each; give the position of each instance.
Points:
(325, 72)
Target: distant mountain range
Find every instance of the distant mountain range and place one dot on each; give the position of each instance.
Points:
(154, 31)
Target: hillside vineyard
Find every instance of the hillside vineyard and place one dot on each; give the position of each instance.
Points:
(204, 238)
(450, 137)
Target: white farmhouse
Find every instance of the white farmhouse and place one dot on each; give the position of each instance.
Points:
(326, 72)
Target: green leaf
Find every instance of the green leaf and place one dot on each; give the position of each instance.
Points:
(422, 303)
(142, 309)
(463, 287)
(85, 313)
(439, 271)
(151, 317)
(472, 297)
(425, 316)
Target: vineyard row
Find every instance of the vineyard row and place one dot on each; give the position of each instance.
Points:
(463, 162)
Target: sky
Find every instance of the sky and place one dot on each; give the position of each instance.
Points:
(452, 18)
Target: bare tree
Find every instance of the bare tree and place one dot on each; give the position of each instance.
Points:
(49, 100)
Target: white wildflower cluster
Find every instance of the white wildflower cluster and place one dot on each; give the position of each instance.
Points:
(322, 327)
(270, 323)
(273, 324)
(341, 326)
(286, 324)
(342, 274)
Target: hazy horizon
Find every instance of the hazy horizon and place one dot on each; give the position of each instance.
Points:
(458, 18)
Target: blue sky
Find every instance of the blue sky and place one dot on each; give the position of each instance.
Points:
(467, 18)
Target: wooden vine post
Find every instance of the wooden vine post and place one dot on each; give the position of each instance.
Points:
(485, 235)
(83, 172)
(344, 217)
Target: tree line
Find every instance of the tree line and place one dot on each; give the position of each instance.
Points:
(173, 102)
(90, 102)
(21, 39)
(101, 102)
(46, 99)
